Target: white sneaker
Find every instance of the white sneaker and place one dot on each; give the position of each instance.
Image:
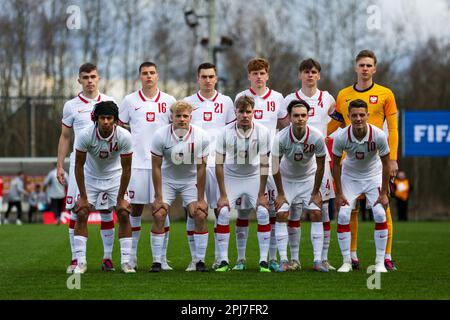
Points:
(164, 265)
(191, 266)
(72, 266)
(80, 268)
(379, 267)
(127, 268)
(346, 267)
(327, 265)
(18, 222)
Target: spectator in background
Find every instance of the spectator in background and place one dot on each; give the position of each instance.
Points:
(402, 189)
(37, 200)
(1, 198)
(55, 192)
(16, 192)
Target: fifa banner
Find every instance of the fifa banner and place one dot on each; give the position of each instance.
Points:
(426, 133)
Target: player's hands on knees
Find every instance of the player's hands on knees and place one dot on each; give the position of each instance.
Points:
(279, 200)
(82, 204)
(393, 168)
(158, 204)
(123, 205)
(340, 201)
(60, 175)
(222, 202)
(201, 208)
(262, 201)
(383, 200)
(316, 198)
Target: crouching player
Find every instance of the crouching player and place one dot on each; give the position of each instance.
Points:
(298, 162)
(242, 163)
(102, 171)
(179, 156)
(365, 170)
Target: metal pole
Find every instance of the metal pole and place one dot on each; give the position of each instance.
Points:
(32, 119)
(211, 28)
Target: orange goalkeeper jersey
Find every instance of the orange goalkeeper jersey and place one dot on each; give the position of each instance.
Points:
(381, 103)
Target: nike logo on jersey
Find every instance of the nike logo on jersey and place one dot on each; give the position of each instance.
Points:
(136, 109)
(84, 110)
(167, 148)
(103, 203)
(347, 100)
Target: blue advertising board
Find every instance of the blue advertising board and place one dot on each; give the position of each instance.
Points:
(426, 133)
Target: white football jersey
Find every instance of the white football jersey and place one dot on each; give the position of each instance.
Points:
(269, 108)
(242, 153)
(180, 154)
(362, 159)
(145, 116)
(298, 161)
(211, 115)
(103, 154)
(320, 104)
(77, 113)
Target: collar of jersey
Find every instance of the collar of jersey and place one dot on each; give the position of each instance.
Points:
(213, 99)
(154, 99)
(264, 96)
(367, 138)
(317, 95)
(87, 100)
(107, 138)
(184, 138)
(304, 139)
(240, 135)
(365, 90)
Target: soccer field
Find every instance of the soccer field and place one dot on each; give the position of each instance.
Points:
(33, 260)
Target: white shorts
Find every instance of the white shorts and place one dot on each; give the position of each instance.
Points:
(102, 193)
(212, 188)
(239, 190)
(352, 189)
(73, 194)
(326, 188)
(271, 194)
(140, 189)
(300, 193)
(188, 192)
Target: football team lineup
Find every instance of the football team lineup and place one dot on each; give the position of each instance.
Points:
(281, 158)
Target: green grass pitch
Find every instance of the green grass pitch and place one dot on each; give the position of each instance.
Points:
(33, 260)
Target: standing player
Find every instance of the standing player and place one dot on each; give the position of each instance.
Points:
(270, 111)
(362, 173)
(76, 117)
(145, 110)
(322, 105)
(382, 107)
(179, 155)
(298, 161)
(103, 170)
(212, 112)
(242, 163)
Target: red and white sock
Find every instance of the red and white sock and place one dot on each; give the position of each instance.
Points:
(72, 222)
(241, 237)
(326, 230)
(380, 237)
(201, 242)
(136, 234)
(125, 249)
(281, 232)
(222, 234)
(107, 231)
(80, 248)
(344, 238)
(190, 227)
(317, 239)
(262, 216)
(273, 246)
(156, 243)
(294, 233)
(166, 237)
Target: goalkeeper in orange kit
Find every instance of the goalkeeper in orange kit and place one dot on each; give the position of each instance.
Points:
(382, 106)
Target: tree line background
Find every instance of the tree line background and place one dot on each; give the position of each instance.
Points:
(40, 56)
